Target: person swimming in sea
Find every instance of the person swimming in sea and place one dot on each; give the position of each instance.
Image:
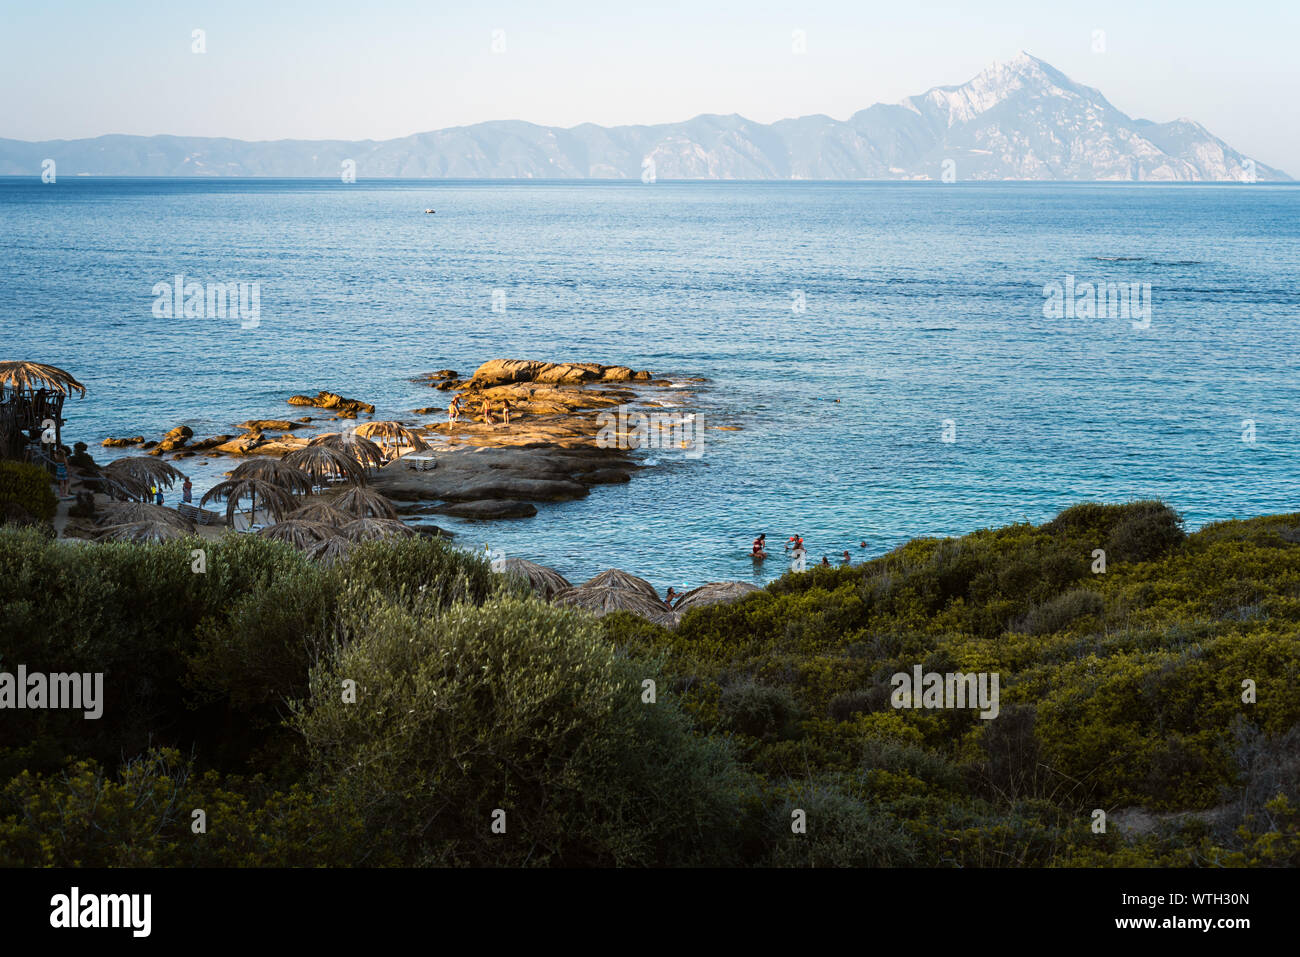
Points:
(759, 549)
(846, 560)
(826, 562)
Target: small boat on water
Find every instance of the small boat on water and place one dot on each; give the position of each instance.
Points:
(430, 210)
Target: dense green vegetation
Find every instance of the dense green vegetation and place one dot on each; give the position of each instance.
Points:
(385, 710)
(25, 492)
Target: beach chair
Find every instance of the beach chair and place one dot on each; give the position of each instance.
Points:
(421, 463)
(198, 515)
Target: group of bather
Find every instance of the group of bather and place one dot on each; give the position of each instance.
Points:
(794, 545)
(454, 410)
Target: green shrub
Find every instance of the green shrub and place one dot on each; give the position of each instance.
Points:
(841, 831)
(81, 817)
(759, 711)
(1011, 766)
(844, 706)
(27, 487)
(519, 706)
(1147, 531)
(1060, 612)
(894, 755)
(143, 618)
(420, 571)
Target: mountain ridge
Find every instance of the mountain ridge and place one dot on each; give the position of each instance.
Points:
(1021, 119)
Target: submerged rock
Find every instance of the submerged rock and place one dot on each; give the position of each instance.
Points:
(432, 531)
(604, 477)
(491, 508)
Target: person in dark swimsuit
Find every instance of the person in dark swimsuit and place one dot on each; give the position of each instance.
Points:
(759, 550)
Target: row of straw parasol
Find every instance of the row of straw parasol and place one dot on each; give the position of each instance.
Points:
(617, 590)
(324, 528)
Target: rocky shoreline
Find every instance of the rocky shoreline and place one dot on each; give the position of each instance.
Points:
(478, 467)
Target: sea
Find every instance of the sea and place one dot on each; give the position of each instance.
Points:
(882, 361)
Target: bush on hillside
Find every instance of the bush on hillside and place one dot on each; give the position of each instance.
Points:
(1060, 612)
(143, 817)
(759, 711)
(27, 487)
(840, 831)
(519, 707)
(1133, 532)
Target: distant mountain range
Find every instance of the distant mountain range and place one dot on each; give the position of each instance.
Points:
(1020, 120)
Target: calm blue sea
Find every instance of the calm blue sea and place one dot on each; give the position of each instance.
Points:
(920, 303)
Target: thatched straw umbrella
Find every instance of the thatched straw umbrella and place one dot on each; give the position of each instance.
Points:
(278, 473)
(146, 531)
(370, 529)
(361, 502)
(601, 600)
(392, 436)
(275, 500)
(546, 582)
(714, 593)
(30, 376)
(322, 463)
(616, 578)
(322, 512)
(299, 533)
(357, 446)
(123, 486)
(134, 513)
(134, 473)
(329, 550)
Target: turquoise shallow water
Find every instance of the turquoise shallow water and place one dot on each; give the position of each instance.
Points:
(922, 303)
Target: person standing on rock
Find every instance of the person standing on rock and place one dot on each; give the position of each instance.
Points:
(453, 410)
(505, 411)
(487, 413)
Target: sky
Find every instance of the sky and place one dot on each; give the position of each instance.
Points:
(389, 68)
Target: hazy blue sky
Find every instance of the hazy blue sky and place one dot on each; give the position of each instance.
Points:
(381, 69)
